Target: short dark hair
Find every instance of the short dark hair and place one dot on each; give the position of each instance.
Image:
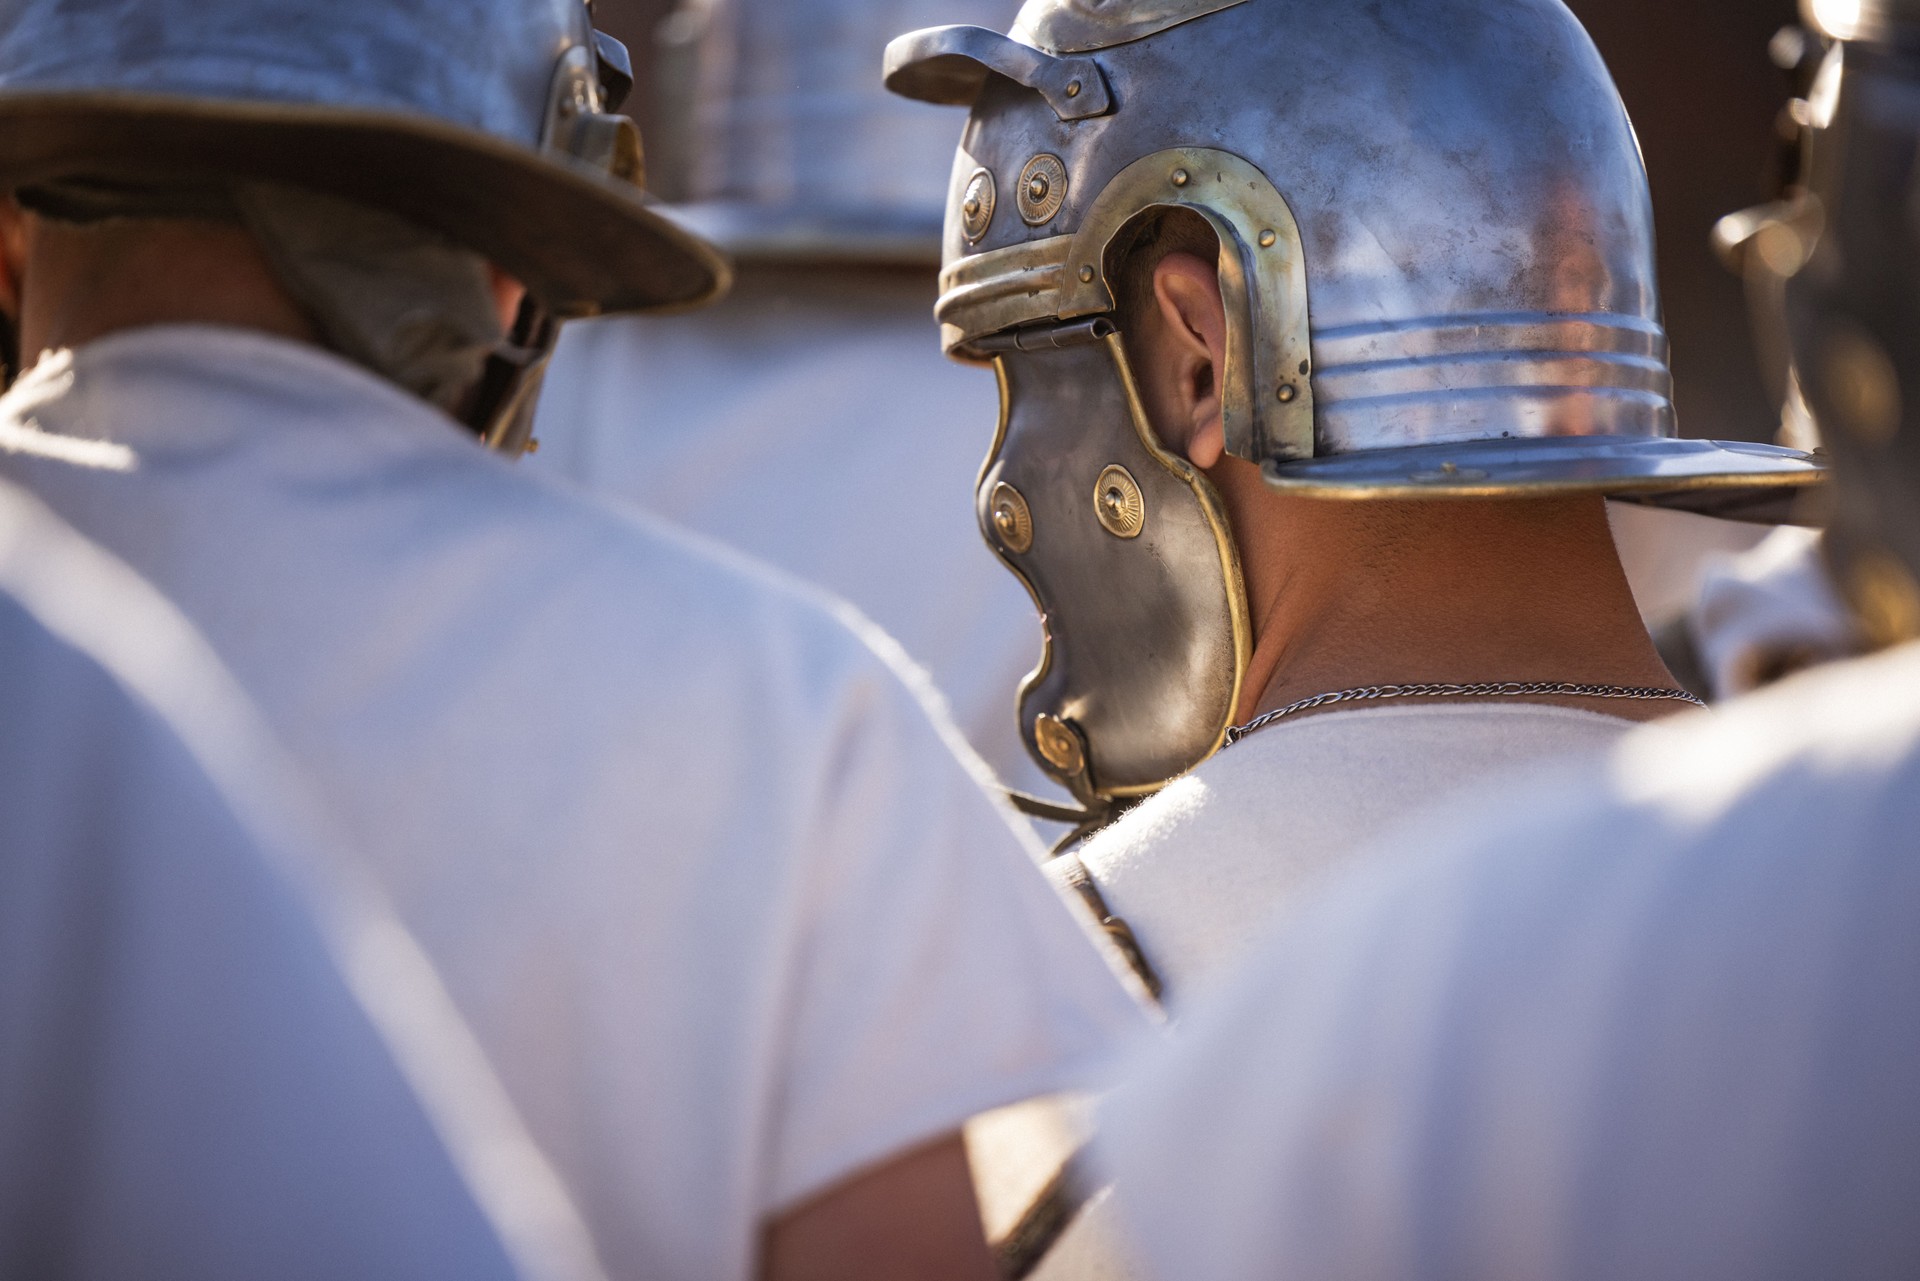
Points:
(1142, 246)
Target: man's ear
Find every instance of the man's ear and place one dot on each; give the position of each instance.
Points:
(508, 294)
(1187, 290)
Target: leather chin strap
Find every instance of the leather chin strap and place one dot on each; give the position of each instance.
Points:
(1070, 875)
(500, 408)
(1084, 822)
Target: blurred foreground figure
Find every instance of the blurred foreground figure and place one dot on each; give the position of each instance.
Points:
(1664, 1022)
(806, 418)
(1767, 613)
(745, 942)
(1663, 1019)
(212, 1063)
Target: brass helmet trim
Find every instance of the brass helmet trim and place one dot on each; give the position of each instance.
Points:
(1268, 401)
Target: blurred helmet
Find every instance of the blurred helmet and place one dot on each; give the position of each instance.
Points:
(1436, 251)
(787, 148)
(1846, 244)
(486, 122)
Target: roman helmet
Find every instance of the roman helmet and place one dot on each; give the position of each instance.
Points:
(488, 123)
(1844, 247)
(781, 146)
(1436, 254)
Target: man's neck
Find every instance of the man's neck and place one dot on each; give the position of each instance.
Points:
(83, 283)
(1346, 594)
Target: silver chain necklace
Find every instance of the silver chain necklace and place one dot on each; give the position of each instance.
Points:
(1486, 689)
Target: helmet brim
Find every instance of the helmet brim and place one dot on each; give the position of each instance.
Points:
(1734, 480)
(580, 241)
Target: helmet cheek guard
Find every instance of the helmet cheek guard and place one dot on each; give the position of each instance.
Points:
(1126, 550)
(1124, 545)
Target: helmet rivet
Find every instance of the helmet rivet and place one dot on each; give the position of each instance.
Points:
(1287, 393)
(1118, 504)
(1073, 89)
(1181, 178)
(1058, 744)
(976, 207)
(1266, 239)
(1012, 518)
(1042, 190)
(1086, 275)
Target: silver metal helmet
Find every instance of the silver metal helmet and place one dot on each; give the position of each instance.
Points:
(487, 122)
(1436, 250)
(791, 150)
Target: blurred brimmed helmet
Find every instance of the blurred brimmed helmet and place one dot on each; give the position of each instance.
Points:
(1436, 253)
(785, 146)
(1842, 250)
(485, 121)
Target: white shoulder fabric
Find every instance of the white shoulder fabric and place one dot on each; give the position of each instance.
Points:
(95, 603)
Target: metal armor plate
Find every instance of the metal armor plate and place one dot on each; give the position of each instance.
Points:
(1125, 549)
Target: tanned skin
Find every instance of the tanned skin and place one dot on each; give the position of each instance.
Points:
(1345, 593)
(122, 274)
(912, 1217)
(69, 285)
(915, 1217)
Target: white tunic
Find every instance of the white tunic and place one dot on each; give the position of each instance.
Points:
(811, 420)
(1199, 870)
(190, 1084)
(701, 873)
(1655, 1019)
